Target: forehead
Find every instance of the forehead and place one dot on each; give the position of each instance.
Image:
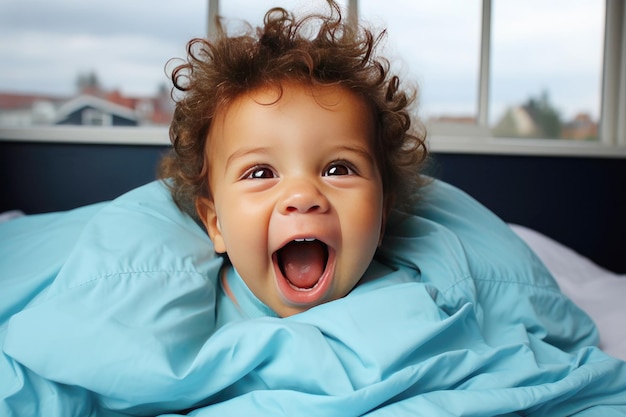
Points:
(280, 101)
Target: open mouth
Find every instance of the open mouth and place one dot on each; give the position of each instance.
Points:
(303, 271)
(302, 262)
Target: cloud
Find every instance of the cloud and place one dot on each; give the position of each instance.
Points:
(159, 18)
(46, 44)
(537, 45)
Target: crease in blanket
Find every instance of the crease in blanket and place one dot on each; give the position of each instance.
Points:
(456, 316)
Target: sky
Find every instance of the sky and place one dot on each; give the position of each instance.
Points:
(537, 45)
(45, 44)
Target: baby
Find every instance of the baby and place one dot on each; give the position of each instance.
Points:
(291, 145)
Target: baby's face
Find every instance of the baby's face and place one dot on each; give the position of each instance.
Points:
(297, 195)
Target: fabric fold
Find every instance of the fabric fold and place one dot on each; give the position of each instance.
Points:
(456, 316)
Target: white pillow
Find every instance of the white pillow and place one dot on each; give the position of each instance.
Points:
(599, 292)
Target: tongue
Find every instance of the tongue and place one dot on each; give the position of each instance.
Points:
(303, 263)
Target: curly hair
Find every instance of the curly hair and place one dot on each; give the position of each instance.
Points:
(314, 50)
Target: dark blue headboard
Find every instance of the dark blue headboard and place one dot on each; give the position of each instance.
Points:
(39, 177)
(580, 202)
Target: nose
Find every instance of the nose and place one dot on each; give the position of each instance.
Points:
(302, 196)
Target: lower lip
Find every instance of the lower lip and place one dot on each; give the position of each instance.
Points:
(305, 297)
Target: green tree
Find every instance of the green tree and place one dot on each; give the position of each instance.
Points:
(546, 117)
(87, 81)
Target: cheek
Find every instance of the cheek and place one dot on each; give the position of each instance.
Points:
(369, 229)
(361, 228)
(243, 226)
(364, 222)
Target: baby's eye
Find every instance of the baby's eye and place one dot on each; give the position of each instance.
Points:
(339, 168)
(259, 172)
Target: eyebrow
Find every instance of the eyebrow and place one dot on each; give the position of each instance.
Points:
(239, 153)
(363, 152)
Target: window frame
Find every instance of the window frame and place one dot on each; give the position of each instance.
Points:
(443, 137)
(95, 117)
(612, 130)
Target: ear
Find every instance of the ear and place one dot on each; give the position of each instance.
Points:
(206, 211)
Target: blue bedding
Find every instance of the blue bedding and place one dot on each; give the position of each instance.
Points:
(115, 309)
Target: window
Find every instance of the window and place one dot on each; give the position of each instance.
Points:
(546, 68)
(437, 44)
(57, 51)
(539, 50)
(493, 75)
(93, 117)
(253, 12)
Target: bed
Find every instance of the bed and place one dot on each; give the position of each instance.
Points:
(63, 353)
(113, 309)
(598, 291)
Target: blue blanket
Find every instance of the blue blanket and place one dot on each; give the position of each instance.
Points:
(115, 309)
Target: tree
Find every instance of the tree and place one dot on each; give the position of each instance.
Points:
(88, 81)
(546, 117)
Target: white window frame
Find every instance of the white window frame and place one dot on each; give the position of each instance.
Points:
(462, 138)
(95, 117)
(449, 138)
